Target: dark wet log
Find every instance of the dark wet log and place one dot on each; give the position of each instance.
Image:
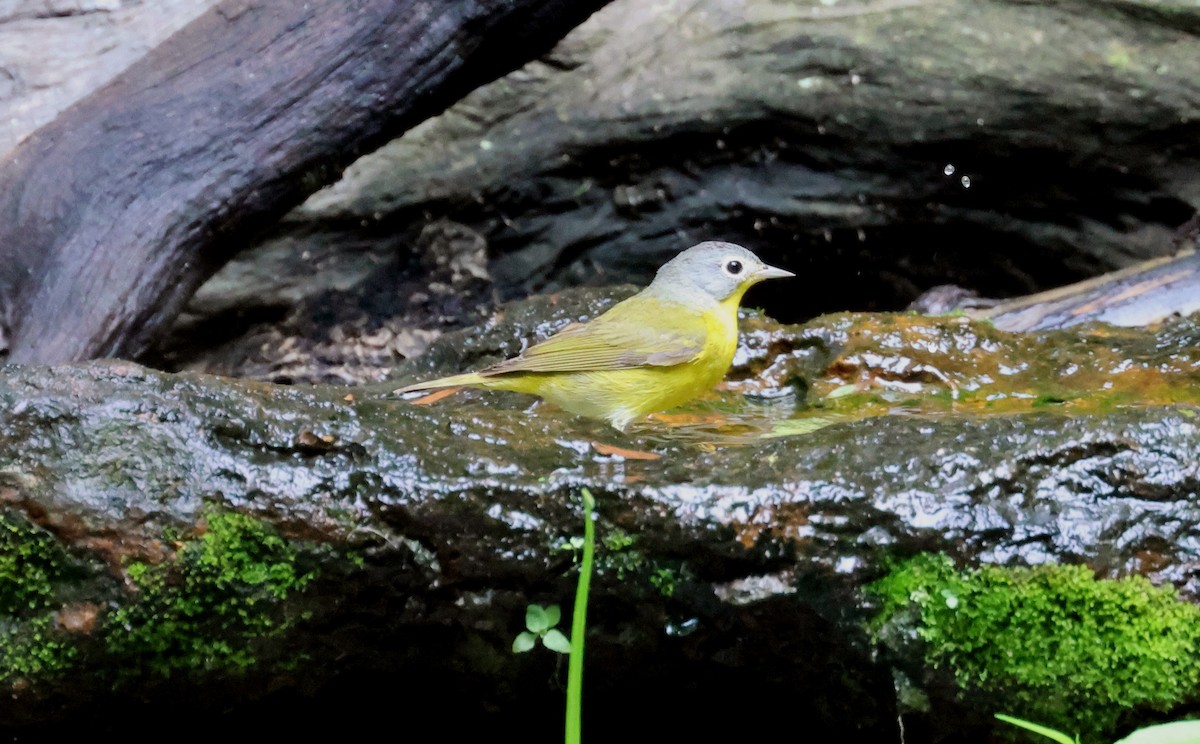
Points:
(111, 215)
(215, 545)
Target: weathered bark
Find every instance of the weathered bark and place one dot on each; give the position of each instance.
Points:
(111, 215)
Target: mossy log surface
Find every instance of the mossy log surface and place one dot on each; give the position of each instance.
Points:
(264, 544)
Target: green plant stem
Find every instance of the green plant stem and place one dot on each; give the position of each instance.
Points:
(579, 625)
(1045, 731)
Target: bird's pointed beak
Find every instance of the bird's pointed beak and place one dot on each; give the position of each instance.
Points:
(770, 272)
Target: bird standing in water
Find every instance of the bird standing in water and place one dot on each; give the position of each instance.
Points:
(666, 345)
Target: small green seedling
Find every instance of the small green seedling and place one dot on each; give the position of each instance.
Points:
(539, 623)
(574, 730)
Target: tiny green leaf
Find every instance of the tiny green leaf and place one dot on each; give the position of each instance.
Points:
(553, 615)
(523, 642)
(536, 620)
(556, 641)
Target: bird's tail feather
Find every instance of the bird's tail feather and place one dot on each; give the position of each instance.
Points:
(471, 378)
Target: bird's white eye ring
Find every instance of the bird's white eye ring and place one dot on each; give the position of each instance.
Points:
(733, 267)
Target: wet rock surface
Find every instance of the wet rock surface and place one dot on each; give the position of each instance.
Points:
(391, 547)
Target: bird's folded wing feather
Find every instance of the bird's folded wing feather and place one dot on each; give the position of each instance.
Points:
(622, 338)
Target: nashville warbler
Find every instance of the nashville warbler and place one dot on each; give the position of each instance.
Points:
(666, 345)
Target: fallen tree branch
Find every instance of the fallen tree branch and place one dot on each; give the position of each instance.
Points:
(111, 215)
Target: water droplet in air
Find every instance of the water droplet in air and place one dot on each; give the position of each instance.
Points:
(948, 170)
(966, 182)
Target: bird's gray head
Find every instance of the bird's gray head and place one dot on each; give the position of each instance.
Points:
(719, 270)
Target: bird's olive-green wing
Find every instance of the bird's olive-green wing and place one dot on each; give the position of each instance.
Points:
(636, 333)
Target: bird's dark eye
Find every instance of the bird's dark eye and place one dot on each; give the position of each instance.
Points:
(734, 267)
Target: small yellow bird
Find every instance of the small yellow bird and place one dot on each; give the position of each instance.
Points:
(662, 347)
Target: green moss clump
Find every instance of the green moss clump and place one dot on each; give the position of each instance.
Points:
(620, 556)
(1051, 644)
(34, 649)
(208, 607)
(31, 564)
